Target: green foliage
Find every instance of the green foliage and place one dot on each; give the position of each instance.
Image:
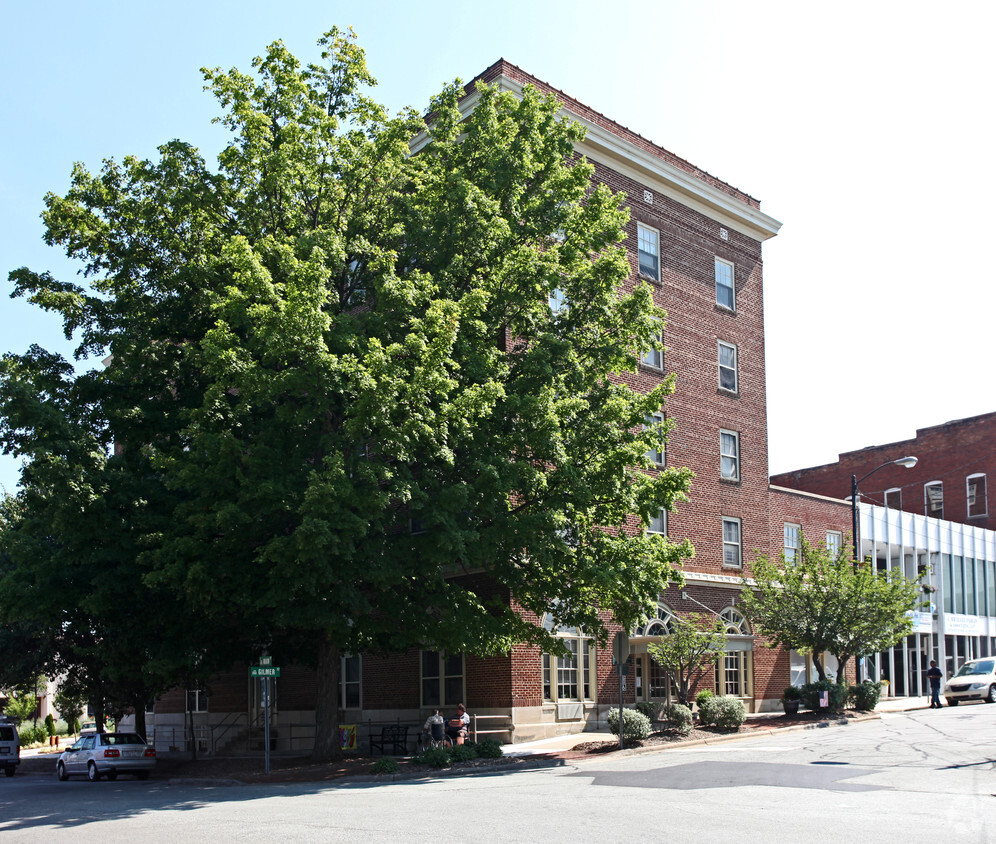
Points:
(707, 708)
(792, 693)
(31, 734)
(678, 717)
(434, 757)
(690, 650)
(69, 704)
(635, 725)
(385, 765)
(648, 708)
(21, 707)
(865, 695)
(703, 696)
(50, 724)
(822, 603)
(727, 712)
(838, 695)
(463, 752)
(489, 749)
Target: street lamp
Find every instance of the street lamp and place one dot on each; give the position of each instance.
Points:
(905, 462)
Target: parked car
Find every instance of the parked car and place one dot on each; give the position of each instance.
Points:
(975, 680)
(107, 754)
(10, 745)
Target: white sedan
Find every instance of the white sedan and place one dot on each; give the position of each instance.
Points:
(107, 754)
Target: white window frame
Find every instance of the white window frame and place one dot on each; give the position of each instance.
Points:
(649, 236)
(443, 675)
(654, 358)
(356, 660)
(720, 346)
(894, 490)
(936, 513)
(971, 497)
(575, 672)
(656, 457)
(835, 541)
(721, 268)
(727, 457)
(557, 300)
(658, 523)
(792, 547)
(735, 546)
(735, 670)
(199, 702)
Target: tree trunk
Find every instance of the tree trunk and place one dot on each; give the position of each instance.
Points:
(190, 722)
(98, 715)
(140, 719)
(327, 747)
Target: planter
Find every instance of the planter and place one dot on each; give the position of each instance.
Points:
(791, 707)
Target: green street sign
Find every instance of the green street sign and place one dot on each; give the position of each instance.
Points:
(263, 671)
(266, 660)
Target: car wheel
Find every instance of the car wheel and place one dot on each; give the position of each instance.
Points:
(952, 701)
(142, 775)
(91, 772)
(60, 769)
(9, 771)
(991, 697)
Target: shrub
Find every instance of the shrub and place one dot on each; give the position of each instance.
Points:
(678, 717)
(728, 713)
(707, 706)
(463, 753)
(865, 695)
(648, 708)
(50, 725)
(434, 757)
(385, 765)
(30, 734)
(792, 693)
(635, 724)
(490, 749)
(838, 695)
(703, 696)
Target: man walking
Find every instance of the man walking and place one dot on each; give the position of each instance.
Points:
(934, 675)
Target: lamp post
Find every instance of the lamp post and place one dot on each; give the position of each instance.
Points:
(906, 463)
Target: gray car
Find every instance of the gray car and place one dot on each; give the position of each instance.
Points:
(107, 755)
(10, 746)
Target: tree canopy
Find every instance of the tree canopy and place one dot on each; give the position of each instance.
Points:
(691, 647)
(823, 602)
(335, 361)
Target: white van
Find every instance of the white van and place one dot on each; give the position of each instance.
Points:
(10, 746)
(975, 680)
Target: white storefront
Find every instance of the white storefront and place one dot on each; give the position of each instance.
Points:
(960, 621)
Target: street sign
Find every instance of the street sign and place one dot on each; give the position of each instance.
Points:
(620, 647)
(266, 660)
(264, 671)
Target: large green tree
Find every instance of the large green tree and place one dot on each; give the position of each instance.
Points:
(823, 603)
(338, 353)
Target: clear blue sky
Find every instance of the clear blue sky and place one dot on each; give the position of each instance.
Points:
(863, 127)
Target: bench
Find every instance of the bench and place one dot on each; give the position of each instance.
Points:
(393, 739)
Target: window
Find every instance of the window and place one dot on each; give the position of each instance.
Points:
(729, 456)
(655, 455)
(731, 542)
(835, 541)
(735, 667)
(659, 625)
(648, 247)
(658, 523)
(349, 682)
(442, 678)
(793, 542)
(558, 301)
(197, 700)
(728, 367)
(724, 285)
(654, 357)
(933, 494)
(571, 677)
(976, 491)
(416, 526)
(894, 499)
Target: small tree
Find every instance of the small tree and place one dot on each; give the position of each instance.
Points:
(69, 703)
(21, 707)
(694, 645)
(824, 603)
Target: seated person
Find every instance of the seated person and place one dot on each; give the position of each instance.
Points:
(458, 727)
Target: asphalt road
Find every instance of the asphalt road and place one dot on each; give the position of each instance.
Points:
(928, 775)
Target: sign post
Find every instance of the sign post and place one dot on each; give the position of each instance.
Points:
(620, 653)
(265, 670)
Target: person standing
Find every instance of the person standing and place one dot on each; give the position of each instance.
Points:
(934, 675)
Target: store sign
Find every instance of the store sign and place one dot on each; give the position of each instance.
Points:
(964, 625)
(923, 622)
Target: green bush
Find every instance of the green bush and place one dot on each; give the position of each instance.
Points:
(838, 695)
(678, 717)
(703, 696)
(727, 713)
(385, 765)
(50, 724)
(792, 693)
(434, 757)
(648, 708)
(463, 752)
(30, 734)
(865, 695)
(635, 725)
(707, 704)
(490, 749)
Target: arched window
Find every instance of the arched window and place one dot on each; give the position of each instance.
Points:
(735, 668)
(650, 682)
(571, 677)
(659, 625)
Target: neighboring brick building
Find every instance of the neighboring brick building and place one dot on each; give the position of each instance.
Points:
(950, 480)
(698, 241)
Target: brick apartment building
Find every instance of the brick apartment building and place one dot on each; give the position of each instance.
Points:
(698, 241)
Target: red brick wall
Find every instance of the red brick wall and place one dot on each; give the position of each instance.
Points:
(948, 453)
